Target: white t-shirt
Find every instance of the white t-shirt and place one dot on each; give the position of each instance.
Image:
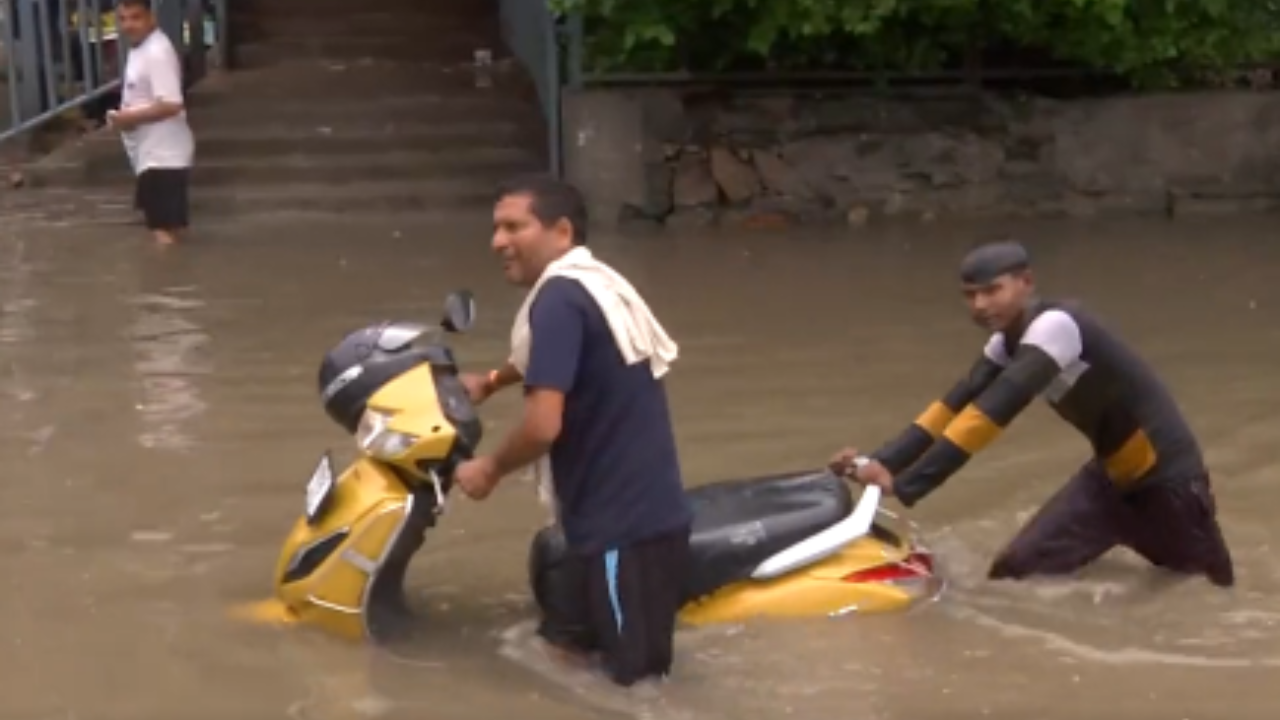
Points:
(153, 73)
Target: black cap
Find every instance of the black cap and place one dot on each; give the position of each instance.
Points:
(987, 262)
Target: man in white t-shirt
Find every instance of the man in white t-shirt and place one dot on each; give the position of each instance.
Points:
(152, 121)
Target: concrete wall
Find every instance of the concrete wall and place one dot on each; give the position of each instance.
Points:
(700, 157)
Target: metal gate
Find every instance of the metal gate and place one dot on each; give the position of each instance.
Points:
(61, 57)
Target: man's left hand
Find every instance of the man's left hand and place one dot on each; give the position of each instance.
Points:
(477, 477)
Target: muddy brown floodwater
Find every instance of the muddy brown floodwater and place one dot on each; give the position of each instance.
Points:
(158, 418)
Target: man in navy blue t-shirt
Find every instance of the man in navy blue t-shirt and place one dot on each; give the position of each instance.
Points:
(607, 428)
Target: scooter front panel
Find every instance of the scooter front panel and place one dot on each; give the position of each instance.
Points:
(366, 517)
(336, 596)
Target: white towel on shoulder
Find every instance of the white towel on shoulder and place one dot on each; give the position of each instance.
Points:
(639, 335)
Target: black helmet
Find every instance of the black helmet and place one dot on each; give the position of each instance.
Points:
(362, 363)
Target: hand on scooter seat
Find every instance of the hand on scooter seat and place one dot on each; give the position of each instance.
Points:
(871, 472)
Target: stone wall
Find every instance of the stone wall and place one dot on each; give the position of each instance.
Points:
(773, 159)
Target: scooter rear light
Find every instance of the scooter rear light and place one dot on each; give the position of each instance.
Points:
(915, 567)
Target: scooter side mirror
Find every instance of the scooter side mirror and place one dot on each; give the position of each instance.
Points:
(459, 311)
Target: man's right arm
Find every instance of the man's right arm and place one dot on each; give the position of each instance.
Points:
(904, 450)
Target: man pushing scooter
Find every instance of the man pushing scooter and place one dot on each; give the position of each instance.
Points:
(1146, 486)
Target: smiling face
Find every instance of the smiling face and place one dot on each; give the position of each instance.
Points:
(998, 305)
(525, 242)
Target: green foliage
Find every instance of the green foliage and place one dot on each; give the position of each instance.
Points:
(1151, 42)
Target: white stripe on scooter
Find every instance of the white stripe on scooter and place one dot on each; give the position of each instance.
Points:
(360, 561)
(826, 543)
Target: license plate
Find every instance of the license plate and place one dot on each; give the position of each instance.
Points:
(319, 489)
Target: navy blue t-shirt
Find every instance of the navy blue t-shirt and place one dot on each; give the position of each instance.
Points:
(616, 472)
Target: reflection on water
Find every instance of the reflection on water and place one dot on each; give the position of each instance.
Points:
(15, 326)
(790, 347)
(169, 347)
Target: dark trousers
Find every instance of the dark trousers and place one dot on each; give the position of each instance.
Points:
(161, 195)
(1173, 525)
(624, 606)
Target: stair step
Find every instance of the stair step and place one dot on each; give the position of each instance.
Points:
(295, 8)
(303, 80)
(356, 24)
(452, 48)
(338, 170)
(465, 201)
(233, 114)
(456, 138)
(359, 169)
(438, 196)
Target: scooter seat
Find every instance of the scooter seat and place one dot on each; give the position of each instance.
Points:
(738, 524)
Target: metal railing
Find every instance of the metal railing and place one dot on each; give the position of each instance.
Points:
(532, 32)
(61, 57)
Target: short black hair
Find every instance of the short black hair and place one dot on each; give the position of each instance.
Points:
(985, 263)
(144, 4)
(550, 200)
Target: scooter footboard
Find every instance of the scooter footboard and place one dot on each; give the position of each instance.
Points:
(558, 586)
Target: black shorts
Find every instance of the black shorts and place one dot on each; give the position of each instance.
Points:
(161, 196)
(1172, 524)
(626, 606)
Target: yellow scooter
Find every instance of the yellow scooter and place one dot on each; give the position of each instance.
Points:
(783, 546)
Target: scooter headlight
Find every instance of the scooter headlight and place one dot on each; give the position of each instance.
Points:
(376, 439)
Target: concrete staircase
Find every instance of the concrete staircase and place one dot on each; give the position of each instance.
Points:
(344, 106)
